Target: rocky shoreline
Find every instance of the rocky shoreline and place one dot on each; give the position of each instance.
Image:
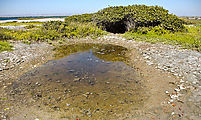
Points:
(184, 98)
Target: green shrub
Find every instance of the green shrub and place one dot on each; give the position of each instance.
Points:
(135, 16)
(4, 34)
(158, 30)
(31, 27)
(27, 42)
(142, 30)
(20, 23)
(53, 30)
(189, 39)
(80, 18)
(119, 19)
(5, 46)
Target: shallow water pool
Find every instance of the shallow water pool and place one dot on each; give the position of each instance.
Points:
(89, 81)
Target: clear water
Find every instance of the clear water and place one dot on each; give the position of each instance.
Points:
(85, 80)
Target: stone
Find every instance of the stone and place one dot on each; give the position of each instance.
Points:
(107, 82)
(76, 80)
(67, 104)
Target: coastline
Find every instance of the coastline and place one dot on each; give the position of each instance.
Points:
(34, 20)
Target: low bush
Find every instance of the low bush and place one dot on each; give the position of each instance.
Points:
(5, 46)
(31, 27)
(20, 23)
(189, 39)
(136, 16)
(80, 18)
(119, 19)
(53, 30)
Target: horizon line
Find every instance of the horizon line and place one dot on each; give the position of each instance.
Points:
(6, 16)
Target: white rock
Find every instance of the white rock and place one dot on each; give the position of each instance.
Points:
(181, 81)
(181, 87)
(177, 90)
(67, 104)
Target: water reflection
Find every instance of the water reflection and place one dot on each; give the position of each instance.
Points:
(105, 52)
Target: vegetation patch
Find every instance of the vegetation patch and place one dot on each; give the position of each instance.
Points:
(194, 20)
(5, 46)
(53, 30)
(22, 23)
(120, 19)
(39, 17)
(190, 39)
(80, 18)
(131, 18)
(31, 27)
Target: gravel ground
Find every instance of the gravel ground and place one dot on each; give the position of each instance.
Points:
(22, 53)
(185, 64)
(182, 63)
(14, 63)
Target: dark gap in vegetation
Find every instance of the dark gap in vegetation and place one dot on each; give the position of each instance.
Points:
(124, 26)
(115, 27)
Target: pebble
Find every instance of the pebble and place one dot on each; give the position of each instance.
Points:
(76, 80)
(177, 90)
(174, 96)
(181, 87)
(107, 82)
(71, 70)
(67, 104)
(181, 81)
(171, 100)
(37, 83)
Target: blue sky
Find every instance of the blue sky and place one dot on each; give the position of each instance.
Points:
(69, 7)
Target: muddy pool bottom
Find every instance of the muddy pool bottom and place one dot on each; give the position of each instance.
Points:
(87, 81)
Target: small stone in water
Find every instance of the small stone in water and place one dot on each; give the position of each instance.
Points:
(67, 104)
(71, 70)
(76, 79)
(107, 82)
(91, 83)
(37, 83)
